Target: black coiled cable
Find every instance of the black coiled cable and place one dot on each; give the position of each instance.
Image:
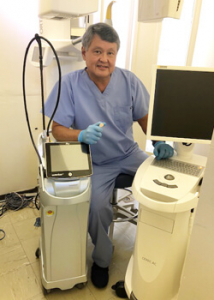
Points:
(15, 201)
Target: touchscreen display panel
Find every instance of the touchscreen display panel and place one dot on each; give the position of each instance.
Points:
(71, 159)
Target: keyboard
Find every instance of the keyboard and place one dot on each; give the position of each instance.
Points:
(179, 166)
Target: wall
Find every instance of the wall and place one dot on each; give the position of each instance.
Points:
(18, 163)
(204, 48)
(145, 53)
(203, 54)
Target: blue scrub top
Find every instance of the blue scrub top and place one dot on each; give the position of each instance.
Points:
(124, 100)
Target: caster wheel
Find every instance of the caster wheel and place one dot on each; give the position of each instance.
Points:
(120, 289)
(38, 253)
(81, 285)
(134, 210)
(45, 291)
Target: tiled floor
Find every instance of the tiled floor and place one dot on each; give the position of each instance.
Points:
(20, 269)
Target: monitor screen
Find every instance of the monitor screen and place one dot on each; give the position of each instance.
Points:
(181, 105)
(68, 159)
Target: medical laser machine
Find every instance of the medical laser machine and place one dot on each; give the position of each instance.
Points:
(65, 190)
(182, 111)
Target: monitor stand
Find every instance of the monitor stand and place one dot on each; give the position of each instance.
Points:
(184, 150)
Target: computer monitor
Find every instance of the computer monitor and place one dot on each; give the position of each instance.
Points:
(181, 105)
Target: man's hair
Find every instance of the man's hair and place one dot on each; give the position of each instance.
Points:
(104, 31)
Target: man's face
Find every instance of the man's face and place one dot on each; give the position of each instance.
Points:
(100, 58)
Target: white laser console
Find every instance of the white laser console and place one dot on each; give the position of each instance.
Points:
(65, 198)
(167, 202)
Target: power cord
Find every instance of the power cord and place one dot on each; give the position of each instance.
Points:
(2, 232)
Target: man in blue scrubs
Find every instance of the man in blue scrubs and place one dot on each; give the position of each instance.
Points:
(100, 103)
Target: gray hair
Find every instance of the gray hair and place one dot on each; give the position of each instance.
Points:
(104, 31)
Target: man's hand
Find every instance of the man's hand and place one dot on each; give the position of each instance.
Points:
(163, 150)
(91, 134)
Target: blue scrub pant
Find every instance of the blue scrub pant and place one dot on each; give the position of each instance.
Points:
(101, 213)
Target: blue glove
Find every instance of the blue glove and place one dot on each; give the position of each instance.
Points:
(92, 134)
(163, 150)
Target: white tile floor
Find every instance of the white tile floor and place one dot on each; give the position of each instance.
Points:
(20, 270)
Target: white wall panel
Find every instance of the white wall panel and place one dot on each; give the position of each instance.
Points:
(18, 163)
